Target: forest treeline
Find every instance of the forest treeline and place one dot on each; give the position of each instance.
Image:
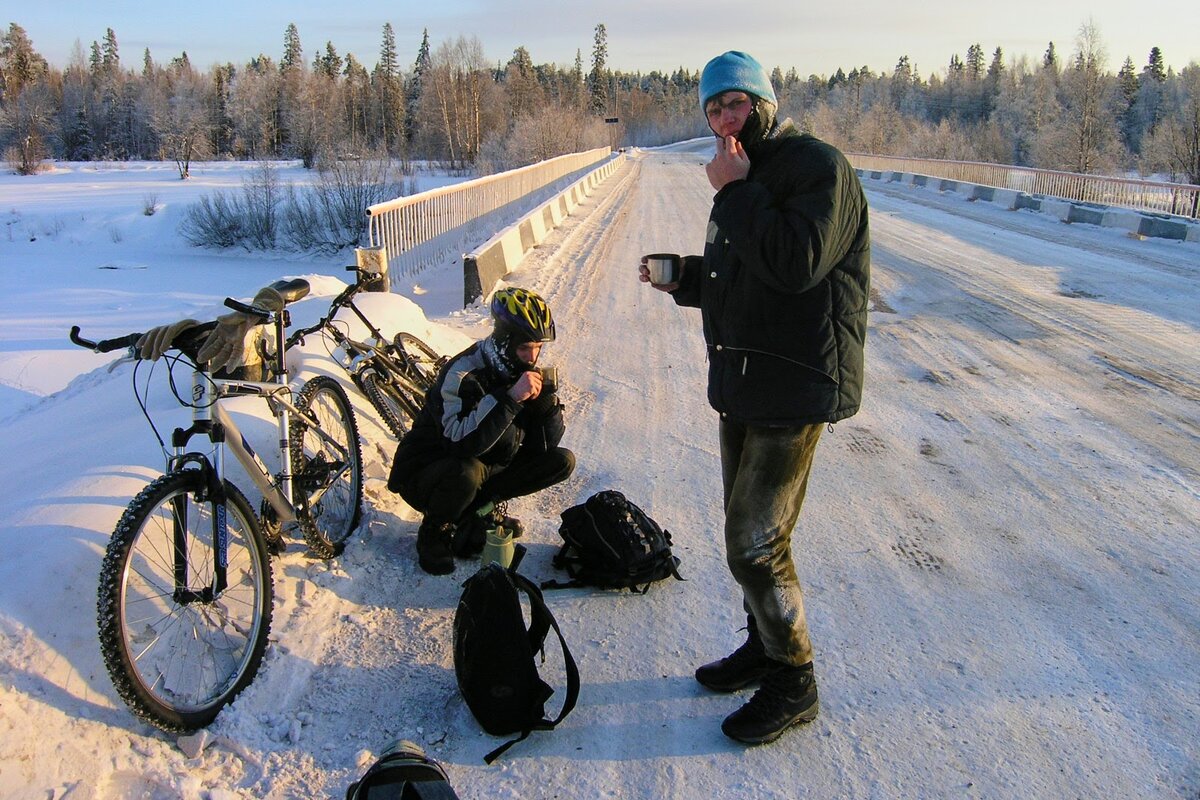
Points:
(452, 106)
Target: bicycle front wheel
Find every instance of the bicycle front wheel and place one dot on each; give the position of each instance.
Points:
(178, 645)
(326, 466)
(396, 407)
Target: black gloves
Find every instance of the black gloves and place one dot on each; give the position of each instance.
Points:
(541, 405)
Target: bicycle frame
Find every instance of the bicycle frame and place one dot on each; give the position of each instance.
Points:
(210, 419)
(358, 353)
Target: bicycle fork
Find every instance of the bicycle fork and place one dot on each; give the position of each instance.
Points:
(210, 420)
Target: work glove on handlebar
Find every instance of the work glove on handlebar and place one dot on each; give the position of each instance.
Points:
(228, 346)
(157, 341)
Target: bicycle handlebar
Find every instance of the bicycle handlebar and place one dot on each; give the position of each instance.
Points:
(188, 341)
(104, 345)
(342, 300)
(364, 277)
(247, 309)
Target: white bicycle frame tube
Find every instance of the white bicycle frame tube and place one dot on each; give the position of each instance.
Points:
(208, 408)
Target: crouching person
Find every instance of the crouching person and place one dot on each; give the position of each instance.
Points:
(488, 433)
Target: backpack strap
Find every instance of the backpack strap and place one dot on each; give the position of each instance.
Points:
(565, 560)
(542, 620)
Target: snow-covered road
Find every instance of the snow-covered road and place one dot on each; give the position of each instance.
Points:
(1000, 553)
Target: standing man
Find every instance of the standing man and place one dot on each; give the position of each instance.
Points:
(489, 432)
(782, 288)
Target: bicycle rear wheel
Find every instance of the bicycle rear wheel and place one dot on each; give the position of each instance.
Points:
(177, 647)
(326, 465)
(421, 361)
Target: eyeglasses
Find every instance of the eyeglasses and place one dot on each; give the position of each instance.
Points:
(734, 104)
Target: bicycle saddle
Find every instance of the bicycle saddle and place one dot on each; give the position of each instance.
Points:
(293, 290)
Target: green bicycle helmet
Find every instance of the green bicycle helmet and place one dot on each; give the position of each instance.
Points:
(521, 316)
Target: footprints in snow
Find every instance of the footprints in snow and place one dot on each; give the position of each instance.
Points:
(910, 546)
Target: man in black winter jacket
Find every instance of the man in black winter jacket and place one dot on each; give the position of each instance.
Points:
(489, 432)
(782, 288)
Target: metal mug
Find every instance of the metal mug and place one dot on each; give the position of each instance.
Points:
(549, 378)
(664, 268)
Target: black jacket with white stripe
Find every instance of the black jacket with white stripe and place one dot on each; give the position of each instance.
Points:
(469, 414)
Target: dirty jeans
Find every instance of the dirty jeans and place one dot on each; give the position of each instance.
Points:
(765, 472)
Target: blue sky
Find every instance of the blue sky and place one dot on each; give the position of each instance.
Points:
(643, 35)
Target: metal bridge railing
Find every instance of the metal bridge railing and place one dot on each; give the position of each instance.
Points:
(1180, 199)
(424, 229)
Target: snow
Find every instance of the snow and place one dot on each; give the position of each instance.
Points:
(999, 553)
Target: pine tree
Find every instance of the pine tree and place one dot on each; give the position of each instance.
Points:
(388, 63)
(416, 85)
(996, 68)
(94, 60)
(575, 93)
(293, 53)
(221, 122)
(777, 83)
(1154, 67)
(1148, 109)
(77, 142)
(110, 57)
(974, 63)
(597, 82)
(1050, 59)
(388, 92)
(329, 63)
(1127, 82)
(181, 64)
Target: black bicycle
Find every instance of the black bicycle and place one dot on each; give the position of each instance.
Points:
(393, 374)
(185, 594)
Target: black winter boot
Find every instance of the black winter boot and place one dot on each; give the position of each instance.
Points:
(788, 695)
(433, 548)
(741, 668)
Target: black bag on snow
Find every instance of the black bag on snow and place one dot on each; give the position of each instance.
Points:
(608, 541)
(403, 772)
(494, 655)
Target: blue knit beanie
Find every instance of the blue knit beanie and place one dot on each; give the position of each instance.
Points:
(735, 71)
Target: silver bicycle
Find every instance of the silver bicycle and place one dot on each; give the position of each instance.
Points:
(185, 595)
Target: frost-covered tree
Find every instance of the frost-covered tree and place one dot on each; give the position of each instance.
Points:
(20, 64)
(1086, 140)
(525, 94)
(461, 102)
(1173, 148)
(357, 100)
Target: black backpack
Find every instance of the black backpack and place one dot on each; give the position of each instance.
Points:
(494, 655)
(403, 772)
(610, 542)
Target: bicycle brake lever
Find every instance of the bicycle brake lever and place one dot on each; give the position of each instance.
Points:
(125, 359)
